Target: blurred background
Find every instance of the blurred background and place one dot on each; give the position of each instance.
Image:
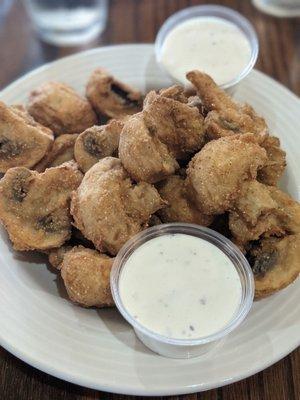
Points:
(33, 32)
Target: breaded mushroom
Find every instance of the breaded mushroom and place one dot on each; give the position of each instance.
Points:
(110, 97)
(61, 152)
(263, 211)
(22, 144)
(142, 154)
(275, 263)
(86, 276)
(34, 208)
(109, 209)
(57, 106)
(175, 123)
(97, 142)
(225, 117)
(215, 174)
(180, 208)
(21, 111)
(56, 256)
(275, 166)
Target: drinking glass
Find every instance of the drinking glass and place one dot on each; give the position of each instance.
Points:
(68, 22)
(279, 8)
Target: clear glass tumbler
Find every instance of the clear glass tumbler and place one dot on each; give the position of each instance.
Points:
(279, 8)
(68, 22)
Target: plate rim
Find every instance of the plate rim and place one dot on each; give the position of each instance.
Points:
(84, 381)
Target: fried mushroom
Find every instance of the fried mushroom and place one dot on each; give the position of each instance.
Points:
(143, 155)
(110, 97)
(216, 173)
(34, 208)
(61, 152)
(56, 256)
(22, 144)
(57, 106)
(97, 142)
(275, 166)
(176, 124)
(254, 214)
(86, 276)
(225, 117)
(275, 263)
(180, 208)
(108, 209)
(263, 211)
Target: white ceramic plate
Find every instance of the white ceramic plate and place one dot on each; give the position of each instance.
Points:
(98, 349)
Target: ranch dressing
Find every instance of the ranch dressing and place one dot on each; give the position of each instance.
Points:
(180, 286)
(210, 44)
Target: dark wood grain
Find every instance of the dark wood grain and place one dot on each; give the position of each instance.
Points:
(139, 21)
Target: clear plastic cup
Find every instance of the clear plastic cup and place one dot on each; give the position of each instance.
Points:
(185, 348)
(211, 11)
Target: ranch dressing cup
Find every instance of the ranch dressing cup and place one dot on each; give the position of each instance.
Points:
(214, 39)
(182, 287)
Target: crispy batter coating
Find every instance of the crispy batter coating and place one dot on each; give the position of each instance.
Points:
(143, 155)
(275, 263)
(97, 142)
(22, 144)
(34, 208)
(288, 208)
(225, 117)
(109, 209)
(56, 256)
(180, 208)
(60, 108)
(273, 170)
(110, 97)
(263, 211)
(61, 152)
(216, 173)
(175, 92)
(255, 214)
(21, 111)
(175, 123)
(86, 275)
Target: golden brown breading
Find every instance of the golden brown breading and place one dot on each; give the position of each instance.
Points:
(61, 152)
(288, 208)
(275, 263)
(175, 92)
(21, 143)
(86, 275)
(56, 256)
(109, 209)
(97, 142)
(34, 208)
(225, 117)
(263, 211)
(254, 214)
(21, 111)
(217, 172)
(180, 208)
(176, 124)
(143, 155)
(110, 97)
(57, 106)
(273, 170)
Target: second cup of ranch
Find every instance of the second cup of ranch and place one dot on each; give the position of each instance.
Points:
(213, 39)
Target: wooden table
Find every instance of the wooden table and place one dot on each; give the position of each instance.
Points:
(138, 21)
